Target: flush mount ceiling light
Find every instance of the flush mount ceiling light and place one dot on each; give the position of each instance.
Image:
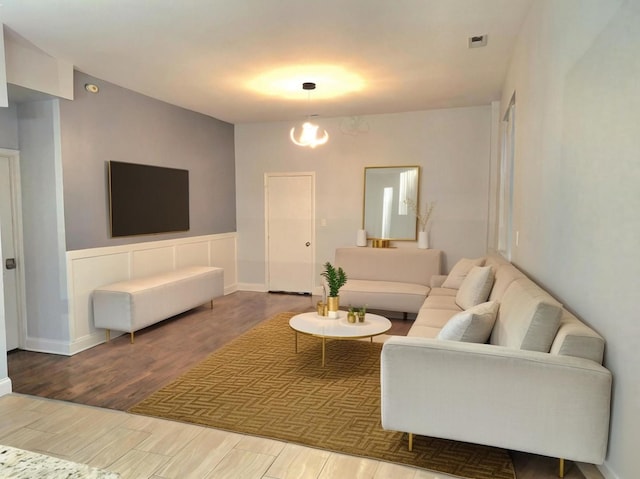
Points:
(284, 82)
(308, 135)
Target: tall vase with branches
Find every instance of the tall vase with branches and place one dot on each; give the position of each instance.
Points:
(423, 221)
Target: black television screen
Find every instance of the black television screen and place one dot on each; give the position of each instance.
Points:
(145, 199)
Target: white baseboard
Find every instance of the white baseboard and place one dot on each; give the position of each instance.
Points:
(51, 346)
(88, 342)
(257, 287)
(5, 386)
(603, 469)
(230, 289)
(262, 288)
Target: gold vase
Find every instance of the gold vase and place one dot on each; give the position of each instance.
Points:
(333, 303)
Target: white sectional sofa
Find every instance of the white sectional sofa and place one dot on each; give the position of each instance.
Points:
(532, 382)
(391, 279)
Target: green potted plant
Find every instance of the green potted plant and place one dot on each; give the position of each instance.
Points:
(335, 278)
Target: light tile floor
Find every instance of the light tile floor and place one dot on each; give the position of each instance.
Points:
(141, 447)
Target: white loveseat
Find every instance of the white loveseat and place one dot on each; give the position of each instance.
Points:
(537, 385)
(391, 279)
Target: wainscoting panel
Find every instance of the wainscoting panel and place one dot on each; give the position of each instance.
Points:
(193, 254)
(91, 268)
(90, 273)
(152, 260)
(223, 254)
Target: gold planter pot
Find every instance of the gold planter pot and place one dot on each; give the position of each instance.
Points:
(333, 303)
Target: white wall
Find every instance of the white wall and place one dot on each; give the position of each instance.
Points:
(452, 147)
(5, 382)
(4, 98)
(30, 67)
(577, 182)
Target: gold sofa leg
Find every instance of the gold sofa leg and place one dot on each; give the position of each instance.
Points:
(107, 333)
(131, 337)
(410, 441)
(561, 468)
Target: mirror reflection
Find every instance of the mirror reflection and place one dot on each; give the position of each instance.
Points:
(388, 191)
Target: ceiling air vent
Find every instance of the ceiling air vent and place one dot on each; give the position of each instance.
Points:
(478, 41)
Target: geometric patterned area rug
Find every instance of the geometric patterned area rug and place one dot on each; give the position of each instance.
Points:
(258, 385)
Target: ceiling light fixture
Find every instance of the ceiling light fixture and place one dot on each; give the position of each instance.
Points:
(309, 134)
(91, 88)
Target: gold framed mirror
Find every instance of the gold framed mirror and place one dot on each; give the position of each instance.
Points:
(388, 193)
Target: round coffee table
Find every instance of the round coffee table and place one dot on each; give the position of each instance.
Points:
(325, 328)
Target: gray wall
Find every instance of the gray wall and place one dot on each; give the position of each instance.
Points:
(121, 125)
(9, 127)
(577, 182)
(43, 223)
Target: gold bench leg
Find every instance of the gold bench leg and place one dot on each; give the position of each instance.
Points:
(107, 333)
(131, 337)
(561, 468)
(410, 441)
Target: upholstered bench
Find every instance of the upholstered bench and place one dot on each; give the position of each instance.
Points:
(137, 303)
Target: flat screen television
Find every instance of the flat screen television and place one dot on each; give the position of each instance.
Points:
(146, 199)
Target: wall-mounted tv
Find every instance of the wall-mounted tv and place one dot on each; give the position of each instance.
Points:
(146, 199)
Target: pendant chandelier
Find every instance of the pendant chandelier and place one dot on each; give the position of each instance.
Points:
(308, 135)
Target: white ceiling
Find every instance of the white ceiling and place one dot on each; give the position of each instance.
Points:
(205, 55)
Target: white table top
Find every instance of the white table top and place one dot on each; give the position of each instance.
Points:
(322, 326)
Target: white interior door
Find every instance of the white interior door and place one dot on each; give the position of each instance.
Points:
(9, 276)
(289, 201)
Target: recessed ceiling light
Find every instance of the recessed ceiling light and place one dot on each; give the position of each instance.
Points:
(478, 41)
(91, 88)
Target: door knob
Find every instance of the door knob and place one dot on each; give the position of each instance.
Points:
(307, 244)
(10, 263)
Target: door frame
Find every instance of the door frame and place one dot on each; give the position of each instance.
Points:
(16, 211)
(267, 175)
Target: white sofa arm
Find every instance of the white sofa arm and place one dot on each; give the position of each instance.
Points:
(556, 406)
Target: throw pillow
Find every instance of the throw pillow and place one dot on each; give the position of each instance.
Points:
(476, 287)
(459, 272)
(473, 325)
(528, 318)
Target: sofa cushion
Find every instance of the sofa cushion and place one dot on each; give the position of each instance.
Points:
(443, 292)
(401, 265)
(423, 331)
(528, 317)
(476, 287)
(435, 318)
(504, 274)
(473, 325)
(385, 295)
(440, 302)
(460, 271)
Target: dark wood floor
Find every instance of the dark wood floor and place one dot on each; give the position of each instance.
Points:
(117, 374)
